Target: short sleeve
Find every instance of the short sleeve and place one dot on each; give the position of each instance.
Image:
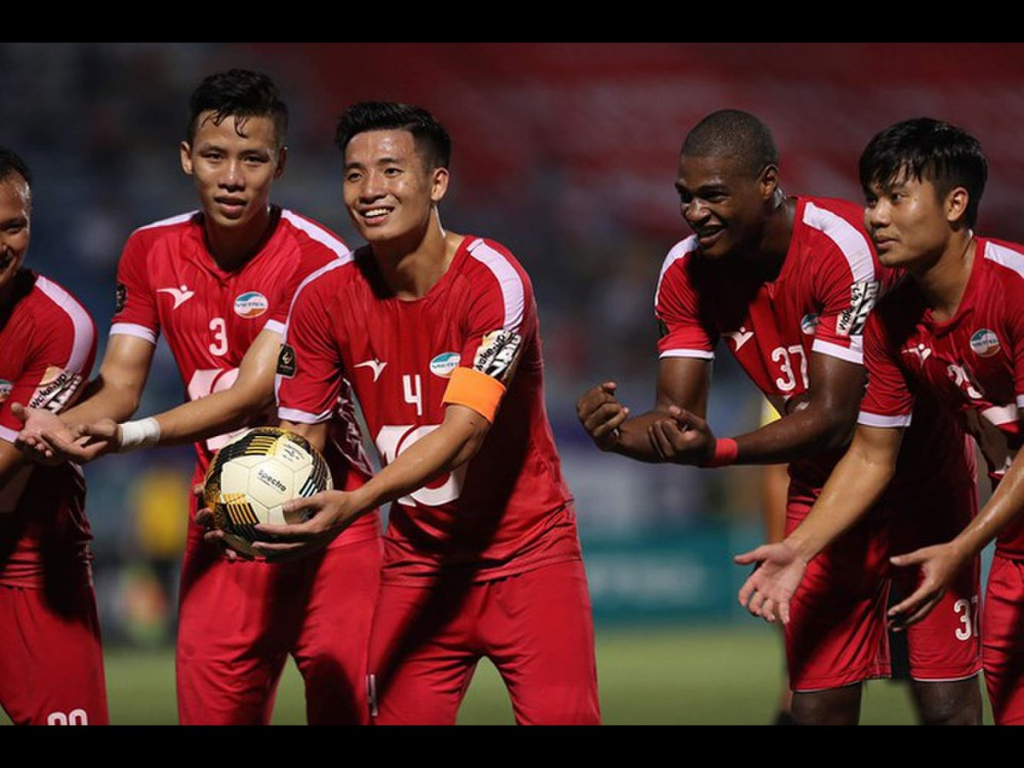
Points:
(888, 400)
(676, 308)
(846, 283)
(135, 311)
(309, 367)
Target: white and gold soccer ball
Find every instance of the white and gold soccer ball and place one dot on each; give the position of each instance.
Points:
(253, 475)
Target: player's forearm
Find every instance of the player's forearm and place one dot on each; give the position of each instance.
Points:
(634, 441)
(799, 435)
(1006, 505)
(854, 487)
(103, 400)
(213, 415)
(442, 451)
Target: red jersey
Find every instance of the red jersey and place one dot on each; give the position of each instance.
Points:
(169, 282)
(975, 361)
(49, 344)
(507, 510)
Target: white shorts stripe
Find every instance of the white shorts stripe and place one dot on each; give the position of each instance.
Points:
(699, 353)
(133, 329)
(852, 354)
(513, 294)
(85, 331)
(877, 420)
(302, 417)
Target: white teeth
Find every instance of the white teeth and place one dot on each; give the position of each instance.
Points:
(375, 212)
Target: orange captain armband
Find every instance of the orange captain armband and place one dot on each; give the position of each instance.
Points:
(476, 390)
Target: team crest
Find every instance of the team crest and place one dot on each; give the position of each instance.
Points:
(985, 343)
(120, 297)
(251, 304)
(444, 364)
(6, 388)
(809, 325)
(286, 361)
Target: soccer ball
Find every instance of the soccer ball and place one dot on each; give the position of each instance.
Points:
(253, 475)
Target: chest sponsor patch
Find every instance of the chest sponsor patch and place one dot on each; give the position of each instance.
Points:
(120, 297)
(444, 364)
(6, 388)
(809, 324)
(985, 343)
(863, 295)
(251, 304)
(56, 389)
(286, 361)
(497, 354)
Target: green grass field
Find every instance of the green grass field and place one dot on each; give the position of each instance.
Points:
(663, 676)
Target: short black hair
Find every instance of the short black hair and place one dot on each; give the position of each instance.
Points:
(237, 93)
(432, 140)
(733, 133)
(927, 149)
(11, 163)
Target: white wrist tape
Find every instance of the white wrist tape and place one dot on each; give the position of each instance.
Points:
(137, 434)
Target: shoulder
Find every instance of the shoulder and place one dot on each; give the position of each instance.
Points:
(677, 262)
(312, 237)
(1006, 261)
(835, 227)
(170, 227)
(61, 303)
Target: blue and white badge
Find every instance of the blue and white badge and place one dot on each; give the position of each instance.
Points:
(985, 343)
(444, 364)
(251, 304)
(809, 325)
(6, 388)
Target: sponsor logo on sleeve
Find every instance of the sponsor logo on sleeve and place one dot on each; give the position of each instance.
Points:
(120, 297)
(809, 325)
(6, 388)
(497, 354)
(251, 304)
(444, 364)
(985, 343)
(56, 390)
(286, 361)
(863, 295)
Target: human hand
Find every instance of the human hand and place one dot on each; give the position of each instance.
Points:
(682, 438)
(939, 565)
(328, 514)
(601, 415)
(768, 591)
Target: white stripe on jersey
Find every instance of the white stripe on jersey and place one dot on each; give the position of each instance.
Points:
(274, 326)
(9, 435)
(317, 233)
(303, 417)
(703, 354)
(85, 332)
(852, 354)
(679, 250)
(851, 241)
(1001, 414)
(133, 329)
(179, 219)
(512, 293)
(877, 420)
(1007, 257)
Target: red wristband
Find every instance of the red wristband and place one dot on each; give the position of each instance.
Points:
(725, 452)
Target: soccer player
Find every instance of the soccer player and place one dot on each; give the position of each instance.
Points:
(51, 666)
(218, 283)
(953, 334)
(789, 281)
(438, 333)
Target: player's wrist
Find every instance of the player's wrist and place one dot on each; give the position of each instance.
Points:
(138, 434)
(724, 453)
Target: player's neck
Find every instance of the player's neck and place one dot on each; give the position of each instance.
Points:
(231, 248)
(413, 266)
(943, 279)
(776, 235)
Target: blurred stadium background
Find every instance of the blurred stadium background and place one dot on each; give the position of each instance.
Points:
(565, 153)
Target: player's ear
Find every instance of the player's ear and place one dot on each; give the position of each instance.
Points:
(186, 158)
(956, 204)
(282, 159)
(768, 180)
(438, 184)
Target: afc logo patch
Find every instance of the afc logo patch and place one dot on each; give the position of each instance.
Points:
(286, 361)
(120, 297)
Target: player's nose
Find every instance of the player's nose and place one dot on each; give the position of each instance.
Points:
(372, 186)
(694, 211)
(232, 176)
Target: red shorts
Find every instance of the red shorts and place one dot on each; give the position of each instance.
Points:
(536, 627)
(240, 620)
(1003, 640)
(51, 664)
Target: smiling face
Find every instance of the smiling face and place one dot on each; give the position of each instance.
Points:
(15, 212)
(910, 224)
(389, 191)
(234, 164)
(723, 203)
